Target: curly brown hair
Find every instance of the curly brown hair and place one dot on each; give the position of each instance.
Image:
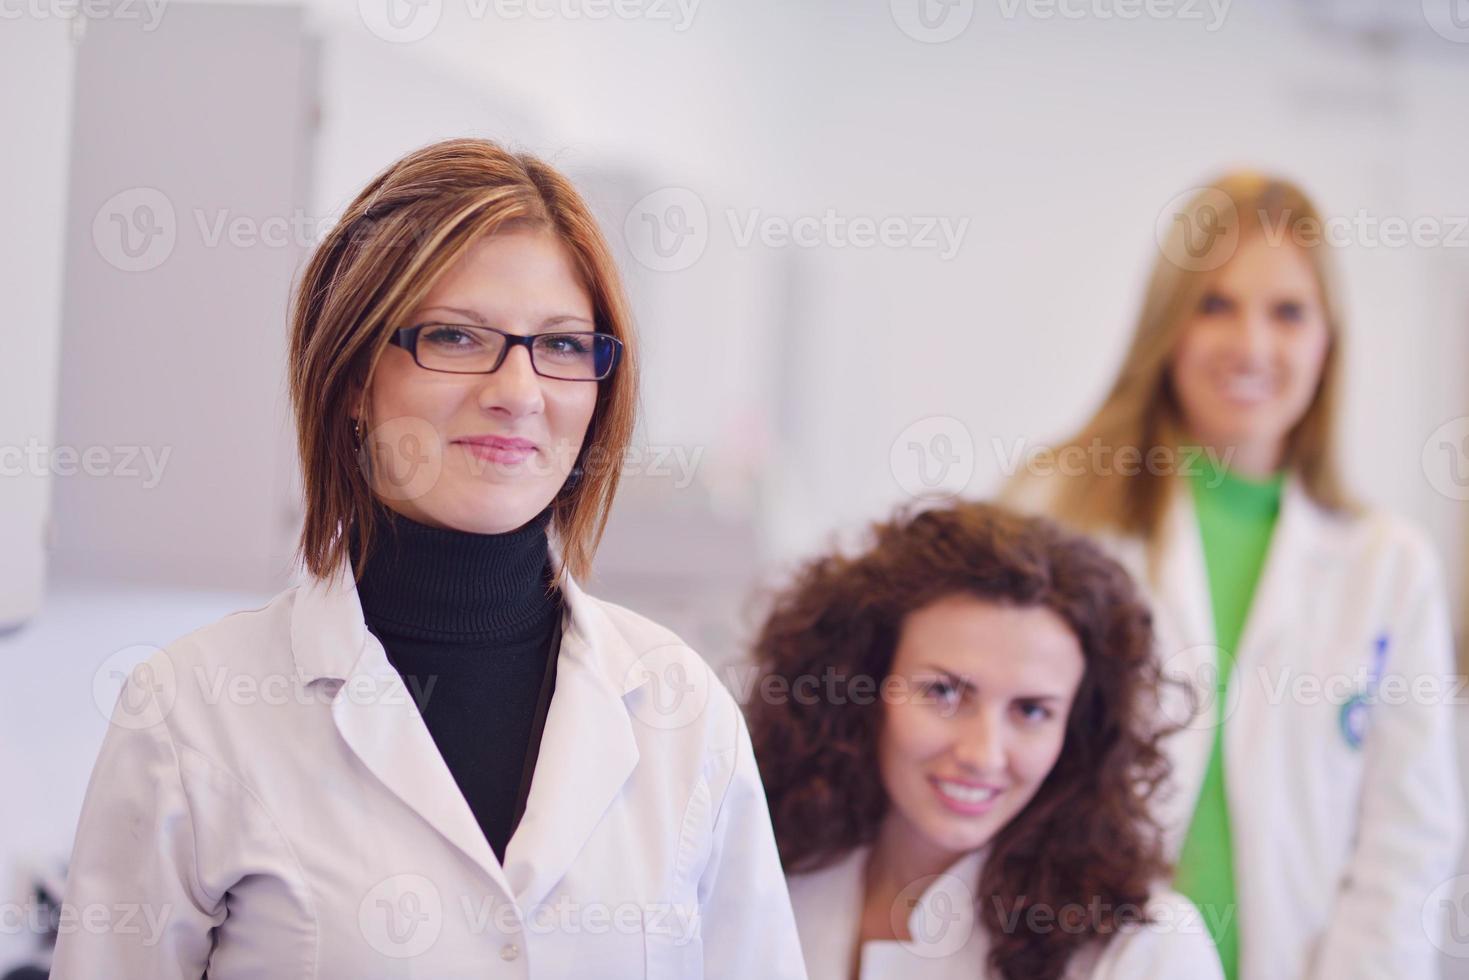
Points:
(1087, 840)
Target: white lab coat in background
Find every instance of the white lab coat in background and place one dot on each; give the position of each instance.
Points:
(950, 943)
(1345, 814)
(269, 804)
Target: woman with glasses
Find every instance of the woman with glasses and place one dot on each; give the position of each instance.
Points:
(957, 736)
(437, 756)
(1315, 812)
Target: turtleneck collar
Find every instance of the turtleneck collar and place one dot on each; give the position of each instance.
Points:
(1256, 496)
(441, 583)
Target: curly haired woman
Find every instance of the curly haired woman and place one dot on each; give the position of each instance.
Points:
(953, 732)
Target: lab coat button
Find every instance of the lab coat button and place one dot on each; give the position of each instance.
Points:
(509, 951)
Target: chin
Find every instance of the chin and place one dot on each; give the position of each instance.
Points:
(1242, 426)
(490, 512)
(960, 835)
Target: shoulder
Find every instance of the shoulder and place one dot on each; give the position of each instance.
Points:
(201, 685)
(690, 731)
(827, 904)
(1031, 492)
(1397, 535)
(1038, 494)
(634, 627)
(215, 711)
(1174, 942)
(666, 685)
(815, 889)
(258, 634)
(249, 643)
(1374, 539)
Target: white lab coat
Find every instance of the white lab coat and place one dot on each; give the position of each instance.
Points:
(268, 803)
(950, 943)
(1345, 815)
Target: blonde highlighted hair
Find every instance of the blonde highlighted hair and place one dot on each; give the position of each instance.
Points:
(1141, 409)
(395, 240)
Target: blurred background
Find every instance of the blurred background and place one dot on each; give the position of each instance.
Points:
(876, 250)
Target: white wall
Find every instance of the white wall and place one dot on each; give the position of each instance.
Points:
(187, 181)
(35, 57)
(1058, 141)
(1061, 142)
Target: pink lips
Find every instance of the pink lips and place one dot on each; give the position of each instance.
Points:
(498, 449)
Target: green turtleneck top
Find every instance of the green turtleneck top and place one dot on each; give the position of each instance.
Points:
(1236, 517)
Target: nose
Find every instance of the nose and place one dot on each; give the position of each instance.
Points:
(514, 389)
(1254, 336)
(981, 745)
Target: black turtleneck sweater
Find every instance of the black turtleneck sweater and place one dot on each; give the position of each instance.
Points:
(467, 620)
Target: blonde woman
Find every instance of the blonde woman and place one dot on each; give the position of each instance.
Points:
(438, 756)
(1315, 805)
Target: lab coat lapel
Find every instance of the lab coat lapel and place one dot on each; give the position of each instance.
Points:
(1189, 652)
(1184, 618)
(828, 907)
(588, 749)
(1276, 605)
(1183, 580)
(377, 716)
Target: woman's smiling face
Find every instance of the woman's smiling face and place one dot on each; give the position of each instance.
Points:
(1250, 359)
(484, 452)
(990, 688)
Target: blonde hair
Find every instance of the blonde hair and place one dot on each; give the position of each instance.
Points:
(1141, 409)
(395, 240)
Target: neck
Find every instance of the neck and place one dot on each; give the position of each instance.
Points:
(1253, 461)
(901, 855)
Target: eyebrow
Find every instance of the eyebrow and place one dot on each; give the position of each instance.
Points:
(551, 321)
(960, 680)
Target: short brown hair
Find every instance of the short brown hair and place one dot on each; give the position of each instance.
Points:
(398, 236)
(1088, 833)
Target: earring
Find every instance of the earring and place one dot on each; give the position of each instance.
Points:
(359, 451)
(572, 478)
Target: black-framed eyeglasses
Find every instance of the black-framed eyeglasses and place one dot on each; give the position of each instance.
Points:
(457, 348)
